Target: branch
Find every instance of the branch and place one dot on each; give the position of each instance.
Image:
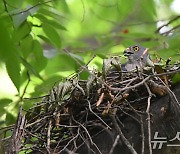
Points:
(149, 117)
(13, 14)
(118, 129)
(172, 20)
(114, 144)
(5, 5)
(167, 32)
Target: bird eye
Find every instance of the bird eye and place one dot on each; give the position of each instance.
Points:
(136, 48)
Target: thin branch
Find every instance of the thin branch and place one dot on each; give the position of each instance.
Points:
(84, 11)
(169, 31)
(24, 91)
(142, 135)
(149, 117)
(143, 81)
(172, 20)
(5, 5)
(97, 115)
(126, 142)
(89, 136)
(38, 4)
(114, 144)
(69, 143)
(49, 136)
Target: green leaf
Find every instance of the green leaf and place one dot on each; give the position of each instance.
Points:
(10, 56)
(37, 50)
(149, 10)
(19, 17)
(51, 13)
(84, 75)
(49, 21)
(45, 39)
(40, 61)
(21, 32)
(10, 119)
(52, 35)
(3, 103)
(13, 69)
(61, 64)
(57, 25)
(5, 41)
(62, 5)
(125, 7)
(30, 68)
(26, 46)
(75, 56)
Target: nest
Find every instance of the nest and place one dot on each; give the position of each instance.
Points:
(75, 111)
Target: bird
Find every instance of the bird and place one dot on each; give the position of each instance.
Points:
(138, 58)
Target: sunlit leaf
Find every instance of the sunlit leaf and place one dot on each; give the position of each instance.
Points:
(10, 56)
(13, 69)
(5, 102)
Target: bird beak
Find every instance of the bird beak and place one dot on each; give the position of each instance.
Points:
(127, 52)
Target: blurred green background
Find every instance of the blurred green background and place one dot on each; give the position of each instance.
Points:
(43, 42)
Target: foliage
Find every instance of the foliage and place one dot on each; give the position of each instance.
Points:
(42, 42)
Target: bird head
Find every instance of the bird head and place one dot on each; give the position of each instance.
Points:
(136, 52)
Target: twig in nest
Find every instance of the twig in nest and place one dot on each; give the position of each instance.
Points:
(132, 87)
(149, 117)
(68, 143)
(142, 127)
(100, 99)
(114, 144)
(89, 136)
(143, 81)
(49, 136)
(118, 129)
(18, 133)
(129, 115)
(174, 101)
(97, 115)
(84, 142)
(142, 135)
